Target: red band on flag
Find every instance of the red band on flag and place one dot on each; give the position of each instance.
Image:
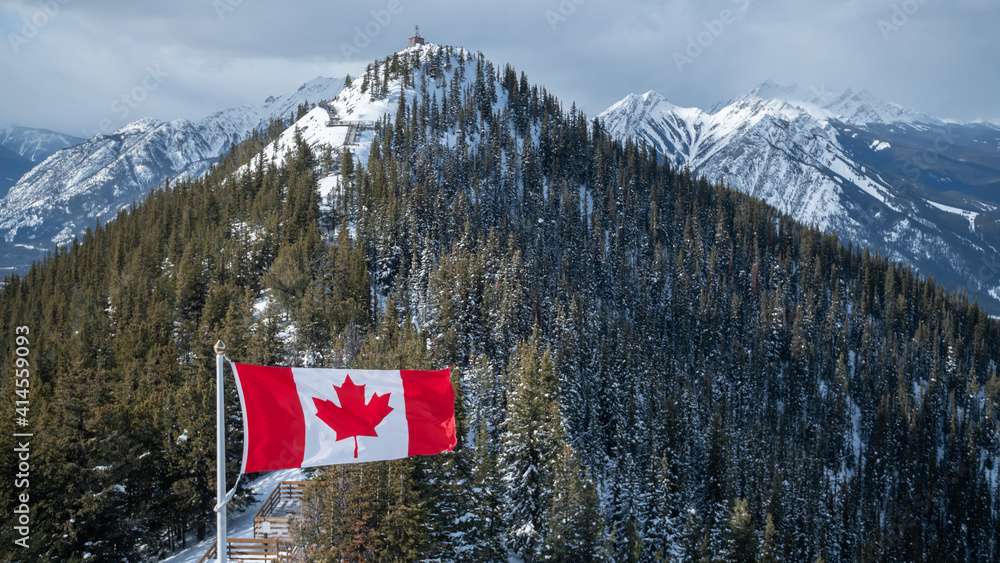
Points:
(430, 411)
(274, 436)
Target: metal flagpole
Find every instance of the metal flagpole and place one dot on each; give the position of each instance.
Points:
(220, 459)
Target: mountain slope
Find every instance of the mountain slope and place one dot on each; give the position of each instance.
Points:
(853, 108)
(905, 187)
(12, 167)
(34, 144)
(21, 148)
(78, 186)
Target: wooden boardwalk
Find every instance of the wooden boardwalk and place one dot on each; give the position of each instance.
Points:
(272, 538)
(284, 502)
(256, 549)
(354, 128)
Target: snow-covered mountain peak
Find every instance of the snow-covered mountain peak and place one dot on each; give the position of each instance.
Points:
(787, 102)
(423, 49)
(348, 119)
(93, 179)
(646, 113)
(60, 197)
(848, 106)
(319, 86)
(863, 108)
(854, 107)
(250, 116)
(31, 143)
(428, 50)
(143, 125)
(648, 103)
(842, 161)
(694, 134)
(651, 98)
(771, 90)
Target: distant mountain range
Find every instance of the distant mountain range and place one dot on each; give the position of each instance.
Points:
(79, 182)
(919, 189)
(21, 148)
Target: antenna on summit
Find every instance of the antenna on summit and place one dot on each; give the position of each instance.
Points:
(416, 39)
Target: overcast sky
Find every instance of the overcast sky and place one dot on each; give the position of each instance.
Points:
(69, 65)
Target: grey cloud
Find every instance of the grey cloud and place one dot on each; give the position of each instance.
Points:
(219, 53)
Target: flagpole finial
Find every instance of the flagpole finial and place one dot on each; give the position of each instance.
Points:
(220, 348)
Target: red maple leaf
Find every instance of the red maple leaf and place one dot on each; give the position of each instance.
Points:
(353, 417)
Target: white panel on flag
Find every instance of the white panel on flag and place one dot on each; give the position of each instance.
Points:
(322, 446)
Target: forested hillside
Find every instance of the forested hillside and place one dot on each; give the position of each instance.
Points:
(649, 367)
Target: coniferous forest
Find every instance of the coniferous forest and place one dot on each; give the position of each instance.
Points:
(650, 367)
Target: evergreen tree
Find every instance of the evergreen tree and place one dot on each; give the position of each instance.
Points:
(530, 442)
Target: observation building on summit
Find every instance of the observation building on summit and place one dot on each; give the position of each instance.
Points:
(416, 39)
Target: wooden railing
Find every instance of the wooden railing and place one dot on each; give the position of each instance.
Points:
(276, 546)
(253, 549)
(286, 490)
(361, 125)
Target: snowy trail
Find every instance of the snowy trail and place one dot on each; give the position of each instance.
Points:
(241, 525)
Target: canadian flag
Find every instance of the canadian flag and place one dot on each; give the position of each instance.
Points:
(305, 417)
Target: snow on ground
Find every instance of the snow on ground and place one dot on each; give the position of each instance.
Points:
(326, 186)
(260, 305)
(353, 105)
(995, 292)
(314, 132)
(253, 234)
(241, 525)
(352, 231)
(969, 215)
(844, 170)
(790, 110)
